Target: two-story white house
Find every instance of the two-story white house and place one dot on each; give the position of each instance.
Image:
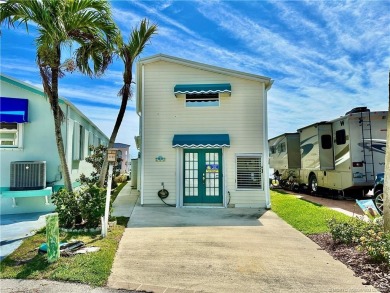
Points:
(203, 134)
(30, 166)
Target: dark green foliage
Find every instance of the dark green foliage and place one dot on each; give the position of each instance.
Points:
(368, 236)
(96, 159)
(92, 204)
(85, 206)
(67, 206)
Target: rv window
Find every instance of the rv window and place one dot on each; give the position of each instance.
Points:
(326, 141)
(340, 137)
(282, 147)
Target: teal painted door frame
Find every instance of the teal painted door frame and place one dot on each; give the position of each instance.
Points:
(202, 176)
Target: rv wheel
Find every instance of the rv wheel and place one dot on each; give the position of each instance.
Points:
(313, 184)
(378, 200)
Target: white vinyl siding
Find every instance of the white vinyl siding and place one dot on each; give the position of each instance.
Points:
(248, 171)
(239, 115)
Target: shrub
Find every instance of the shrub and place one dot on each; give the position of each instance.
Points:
(368, 236)
(85, 205)
(92, 205)
(68, 207)
(346, 232)
(121, 178)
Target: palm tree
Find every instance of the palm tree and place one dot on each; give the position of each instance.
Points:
(128, 52)
(61, 23)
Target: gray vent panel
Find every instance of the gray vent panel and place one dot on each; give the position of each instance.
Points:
(28, 175)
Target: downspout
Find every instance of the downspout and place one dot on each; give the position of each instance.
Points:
(265, 147)
(142, 133)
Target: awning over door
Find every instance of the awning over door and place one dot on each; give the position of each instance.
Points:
(202, 88)
(201, 140)
(13, 110)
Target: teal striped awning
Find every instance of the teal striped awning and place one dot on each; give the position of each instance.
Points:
(202, 88)
(201, 140)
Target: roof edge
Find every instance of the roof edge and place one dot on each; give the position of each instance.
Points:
(40, 92)
(163, 57)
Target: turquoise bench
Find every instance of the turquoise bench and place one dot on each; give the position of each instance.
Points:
(27, 193)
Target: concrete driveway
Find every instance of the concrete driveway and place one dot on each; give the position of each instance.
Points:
(15, 228)
(167, 249)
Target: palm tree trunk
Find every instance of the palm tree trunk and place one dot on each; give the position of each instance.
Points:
(119, 118)
(57, 128)
(52, 93)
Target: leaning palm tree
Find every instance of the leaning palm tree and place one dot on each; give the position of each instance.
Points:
(61, 23)
(128, 52)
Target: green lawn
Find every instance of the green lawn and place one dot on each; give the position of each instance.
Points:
(307, 217)
(91, 268)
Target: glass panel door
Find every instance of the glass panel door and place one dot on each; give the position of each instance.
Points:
(203, 176)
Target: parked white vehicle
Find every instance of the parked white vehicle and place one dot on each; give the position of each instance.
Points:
(343, 154)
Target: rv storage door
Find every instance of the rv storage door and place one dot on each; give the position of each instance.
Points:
(325, 140)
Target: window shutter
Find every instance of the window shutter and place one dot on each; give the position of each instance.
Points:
(76, 142)
(249, 172)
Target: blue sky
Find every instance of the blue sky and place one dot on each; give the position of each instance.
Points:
(325, 57)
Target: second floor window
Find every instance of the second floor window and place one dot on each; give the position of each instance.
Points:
(202, 100)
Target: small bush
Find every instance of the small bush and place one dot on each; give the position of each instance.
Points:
(67, 206)
(92, 205)
(368, 236)
(121, 178)
(347, 232)
(85, 205)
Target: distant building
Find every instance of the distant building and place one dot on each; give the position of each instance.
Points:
(123, 157)
(30, 165)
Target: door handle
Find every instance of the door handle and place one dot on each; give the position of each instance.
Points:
(203, 177)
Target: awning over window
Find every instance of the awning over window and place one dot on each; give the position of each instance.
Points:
(13, 110)
(202, 88)
(201, 140)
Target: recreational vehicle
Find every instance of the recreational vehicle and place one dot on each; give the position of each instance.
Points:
(285, 159)
(343, 154)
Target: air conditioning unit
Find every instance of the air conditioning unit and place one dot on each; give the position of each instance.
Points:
(28, 175)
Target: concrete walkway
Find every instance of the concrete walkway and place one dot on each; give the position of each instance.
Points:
(166, 249)
(15, 228)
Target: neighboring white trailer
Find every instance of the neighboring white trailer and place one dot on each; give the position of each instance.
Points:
(343, 154)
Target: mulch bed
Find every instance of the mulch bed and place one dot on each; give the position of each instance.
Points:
(374, 274)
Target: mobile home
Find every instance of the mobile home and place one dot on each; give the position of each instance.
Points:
(203, 134)
(30, 165)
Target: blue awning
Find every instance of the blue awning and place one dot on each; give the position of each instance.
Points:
(202, 88)
(13, 110)
(201, 140)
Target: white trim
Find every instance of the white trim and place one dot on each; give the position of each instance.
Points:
(142, 134)
(266, 150)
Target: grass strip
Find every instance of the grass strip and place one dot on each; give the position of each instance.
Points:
(305, 216)
(117, 190)
(90, 268)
